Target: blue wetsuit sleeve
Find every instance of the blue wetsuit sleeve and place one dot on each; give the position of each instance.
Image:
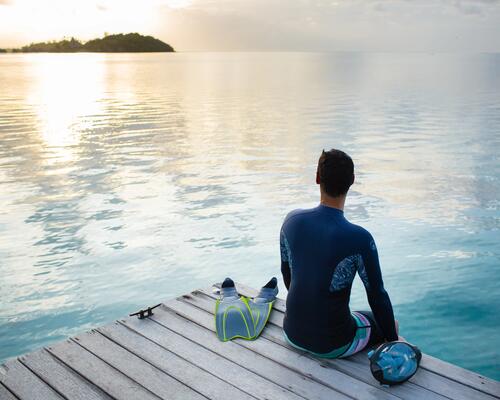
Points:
(285, 260)
(380, 303)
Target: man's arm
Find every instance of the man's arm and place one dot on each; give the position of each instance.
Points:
(285, 260)
(380, 303)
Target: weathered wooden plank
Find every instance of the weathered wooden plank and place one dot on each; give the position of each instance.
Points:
(461, 375)
(25, 384)
(440, 367)
(238, 370)
(194, 377)
(129, 364)
(437, 383)
(205, 300)
(99, 373)
(177, 356)
(447, 387)
(424, 378)
(5, 394)
(272, 361)
(60, 377)
(202, 317)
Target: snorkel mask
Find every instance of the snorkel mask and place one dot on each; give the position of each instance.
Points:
(393, 363)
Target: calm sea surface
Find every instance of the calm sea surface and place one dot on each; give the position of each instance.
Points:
(129, 179)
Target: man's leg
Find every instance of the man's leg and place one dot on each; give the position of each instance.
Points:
(366, 319)
(376, 336)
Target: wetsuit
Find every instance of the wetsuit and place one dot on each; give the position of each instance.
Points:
(320, 254)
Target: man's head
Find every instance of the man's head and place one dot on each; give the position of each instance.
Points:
(335, 173)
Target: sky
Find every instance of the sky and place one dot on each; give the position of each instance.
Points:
(264, 25)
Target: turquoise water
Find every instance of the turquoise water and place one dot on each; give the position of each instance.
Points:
(129, 179)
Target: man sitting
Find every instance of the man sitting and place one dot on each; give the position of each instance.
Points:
(321, 252)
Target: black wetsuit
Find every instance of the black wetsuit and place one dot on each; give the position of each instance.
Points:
(320, 254)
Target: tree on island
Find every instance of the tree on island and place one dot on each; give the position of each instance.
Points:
(119, 43)
(131, 42)
(63, 46)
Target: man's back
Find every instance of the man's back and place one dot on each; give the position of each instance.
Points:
(321, 252)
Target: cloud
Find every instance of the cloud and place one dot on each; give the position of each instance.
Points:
(470, 9)
(380, 7)
(466, 7)
(101, 7)
(326, 25)
(289, 25)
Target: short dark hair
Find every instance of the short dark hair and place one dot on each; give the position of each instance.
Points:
(336, 172)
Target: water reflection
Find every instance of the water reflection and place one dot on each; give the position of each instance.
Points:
(125, 179)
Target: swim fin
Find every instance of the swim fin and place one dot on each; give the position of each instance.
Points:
(262, 305)
(233, 317)
(240, 317)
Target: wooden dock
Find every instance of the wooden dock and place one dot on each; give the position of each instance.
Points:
(175, 354)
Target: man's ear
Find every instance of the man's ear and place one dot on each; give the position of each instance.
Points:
(353, 178)
(317, 178)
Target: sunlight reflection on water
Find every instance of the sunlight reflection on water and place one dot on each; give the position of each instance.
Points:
(127, 179)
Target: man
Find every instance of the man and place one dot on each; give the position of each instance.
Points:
(320, 254)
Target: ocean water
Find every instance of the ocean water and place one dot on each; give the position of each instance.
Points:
(126, 180)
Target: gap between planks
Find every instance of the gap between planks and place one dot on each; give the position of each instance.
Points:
(182, 330)
(359, 373)
(439, 367)
(441, 384)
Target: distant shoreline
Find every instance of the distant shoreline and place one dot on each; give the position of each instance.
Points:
(11, 52)
(119, 43)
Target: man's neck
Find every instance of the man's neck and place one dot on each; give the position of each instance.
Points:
(334, 202)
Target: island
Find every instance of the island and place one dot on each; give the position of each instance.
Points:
(119, 43)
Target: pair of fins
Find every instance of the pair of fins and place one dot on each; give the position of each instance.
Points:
(242, 317)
